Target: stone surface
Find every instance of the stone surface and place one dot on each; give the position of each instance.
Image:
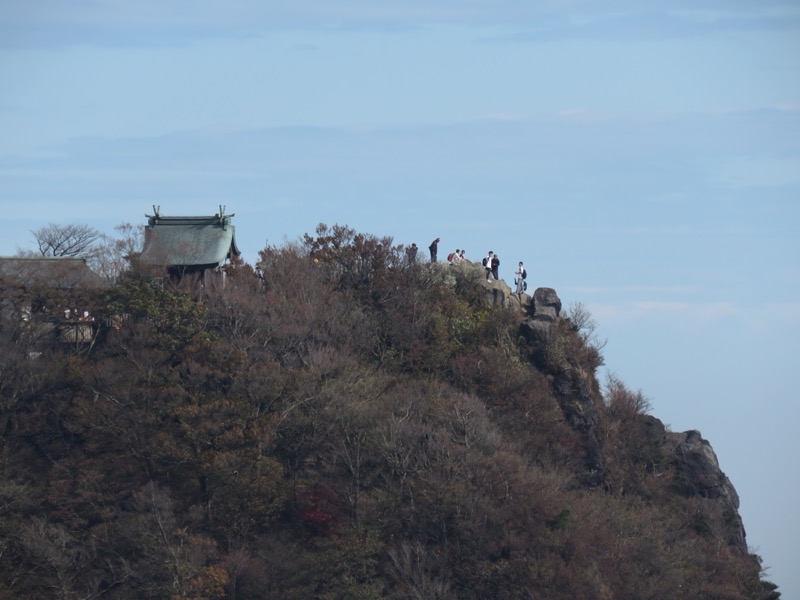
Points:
(545, 305)
(690, 459)
(696, 461)
(542, 310)
(698, 474)
(498, 292)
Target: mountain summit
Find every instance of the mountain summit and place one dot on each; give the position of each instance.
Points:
(344, 422)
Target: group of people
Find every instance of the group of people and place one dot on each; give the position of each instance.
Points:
(491, 263)
(456, 257)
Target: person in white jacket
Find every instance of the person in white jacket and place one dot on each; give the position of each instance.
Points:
(487, 264)
(519, 279)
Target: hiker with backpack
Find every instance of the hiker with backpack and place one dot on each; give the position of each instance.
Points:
(521, 276)
(487, 264)
(496, 267)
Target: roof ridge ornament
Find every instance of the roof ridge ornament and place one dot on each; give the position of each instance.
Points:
(153, 219)
(219, 219)
(224, 220)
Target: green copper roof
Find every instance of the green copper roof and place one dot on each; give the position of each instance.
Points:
(189, 241)
(65, 272)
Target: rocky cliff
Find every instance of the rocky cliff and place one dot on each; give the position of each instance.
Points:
(687, 459)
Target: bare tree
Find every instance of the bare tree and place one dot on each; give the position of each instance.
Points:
(65, 240)
(112, 255)
(624, 402)
(107, 255)
(585, 325)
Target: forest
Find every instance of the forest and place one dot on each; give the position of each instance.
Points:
(338, 423)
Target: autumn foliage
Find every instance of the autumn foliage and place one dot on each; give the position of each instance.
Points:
(339, 423)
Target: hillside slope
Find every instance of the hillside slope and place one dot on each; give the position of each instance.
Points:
(346, 424)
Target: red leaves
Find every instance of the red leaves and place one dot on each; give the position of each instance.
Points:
(317, 510)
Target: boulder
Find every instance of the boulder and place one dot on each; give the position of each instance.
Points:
(543, 310)
(545, 305)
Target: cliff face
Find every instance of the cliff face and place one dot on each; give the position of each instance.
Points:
(687, 459)
(698, 475)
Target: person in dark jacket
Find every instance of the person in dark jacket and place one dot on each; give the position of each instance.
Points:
(412, 253)
(434, 248)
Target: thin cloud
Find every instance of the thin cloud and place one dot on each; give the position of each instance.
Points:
(153, 22)
(657, 309)
(788, 312)
(653, 23)
(636, 289)
(759, 172)
(639, 231)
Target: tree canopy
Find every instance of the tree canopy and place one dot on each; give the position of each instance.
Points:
(340, 423)
(65, 240)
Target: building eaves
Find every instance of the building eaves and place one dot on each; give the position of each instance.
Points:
(189, 241)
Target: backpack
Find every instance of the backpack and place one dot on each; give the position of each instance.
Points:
(524, 273)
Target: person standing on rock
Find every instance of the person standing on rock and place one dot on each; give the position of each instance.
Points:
(519, 279)
(496, 267)
(487, 264)
(434, 248)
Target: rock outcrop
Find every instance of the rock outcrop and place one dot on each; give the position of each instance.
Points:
(546, 306)
(498, 292)
(688, 459)
(543, 312)
(696, 462)
(696, 473)
(574, 386)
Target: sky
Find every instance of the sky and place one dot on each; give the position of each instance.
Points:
(642, 157)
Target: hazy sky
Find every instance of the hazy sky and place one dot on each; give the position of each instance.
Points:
(641, 157)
